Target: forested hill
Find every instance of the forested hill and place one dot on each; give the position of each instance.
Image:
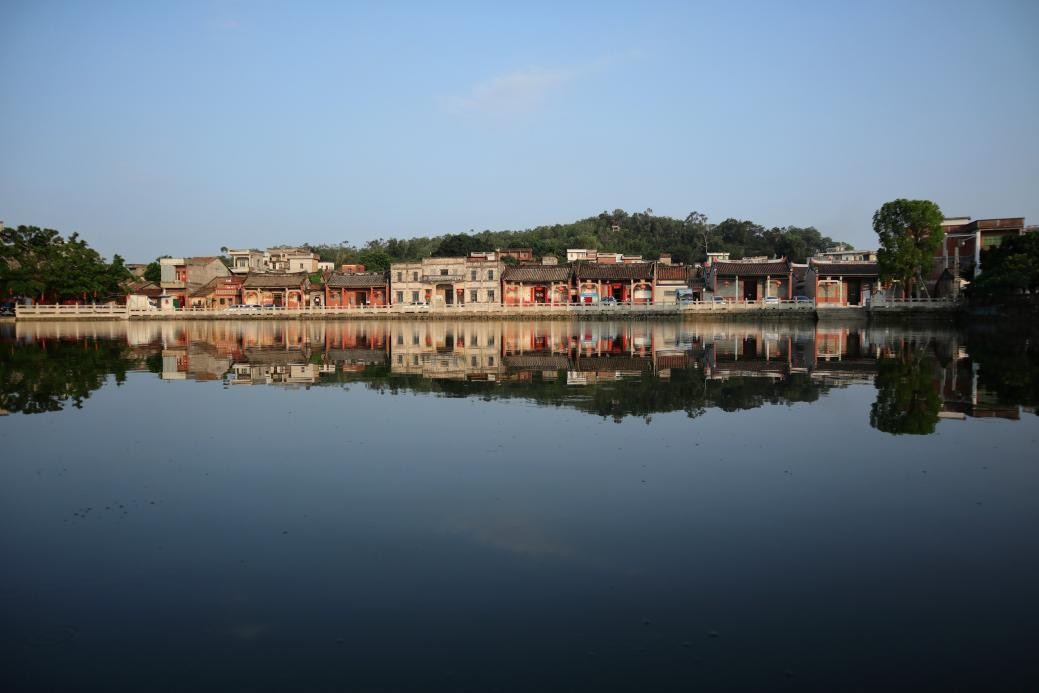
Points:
(641, 233)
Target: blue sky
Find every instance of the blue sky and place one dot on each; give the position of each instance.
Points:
(178, 128)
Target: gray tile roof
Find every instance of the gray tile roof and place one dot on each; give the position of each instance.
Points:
(537, 273)
(774, 268)
(674, 272)
(275, 281)
(595, 270)
(846, 269)
(348, 280)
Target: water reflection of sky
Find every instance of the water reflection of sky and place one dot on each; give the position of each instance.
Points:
(381, 530)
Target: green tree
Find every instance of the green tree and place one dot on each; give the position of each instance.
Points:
(910, 232)
(40, 264)
(153, 272)
(1009, 268)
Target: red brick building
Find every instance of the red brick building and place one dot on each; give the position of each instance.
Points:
(353, 290)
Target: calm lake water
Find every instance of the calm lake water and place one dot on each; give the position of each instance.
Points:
(517, 506)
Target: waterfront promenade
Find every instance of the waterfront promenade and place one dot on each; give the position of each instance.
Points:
(547, 311)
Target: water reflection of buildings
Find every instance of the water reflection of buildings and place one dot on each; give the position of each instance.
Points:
(303, 353)
(963, 395)
(446, 350)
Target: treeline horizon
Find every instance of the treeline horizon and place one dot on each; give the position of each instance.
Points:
(639, 233)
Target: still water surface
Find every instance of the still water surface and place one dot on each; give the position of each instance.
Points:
(517, 506)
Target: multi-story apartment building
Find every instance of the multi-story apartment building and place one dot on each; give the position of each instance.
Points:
(446, 281)
(286, 259)
(247, 260)
(844, 253)
(181, 277)
(280, 259)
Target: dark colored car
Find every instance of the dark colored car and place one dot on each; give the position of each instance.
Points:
(6, 309)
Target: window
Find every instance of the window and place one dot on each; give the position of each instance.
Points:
(490, 275)
(414, 338)
(490, 360)
(400, 359)
(400, 276)
(474, 340)
(490, 295)
(472, 275)
(443, 272)
(414, 297)
(472, 296)
(490, 340)
(472, 361)
(400, 297)
(414, 276)
(400, 340)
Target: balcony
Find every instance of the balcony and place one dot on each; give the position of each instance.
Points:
(442, 278)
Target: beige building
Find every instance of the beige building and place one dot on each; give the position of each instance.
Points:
(292, 260)
(446, 281)
(280, 259)
(247, 260)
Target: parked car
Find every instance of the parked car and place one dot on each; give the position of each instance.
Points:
(771, 299)
(802, 299)
(6, 309)
(685, 299)
(608, 301)
(718, 299)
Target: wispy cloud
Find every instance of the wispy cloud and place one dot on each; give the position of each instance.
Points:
(513, 94)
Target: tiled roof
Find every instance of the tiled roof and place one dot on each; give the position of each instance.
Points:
(346, 280)
(357, 355)
(207, 288)
(674, 272)
(144, 288)
(846, 269)
(537, 273)
(275, 281)
(537, 362)
(595, 270)
(614, 363)
(751, 269)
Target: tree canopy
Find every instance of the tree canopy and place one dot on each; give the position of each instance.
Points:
(639, 233)
(41, 264)
(1009, 268)
(910, 231)
(153, 272)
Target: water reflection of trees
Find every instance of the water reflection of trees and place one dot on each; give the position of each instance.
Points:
(1007, 362)
(48, 376)
(907, 399)
(612, 370)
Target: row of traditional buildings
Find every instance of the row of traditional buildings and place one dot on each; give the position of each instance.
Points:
(296, 278)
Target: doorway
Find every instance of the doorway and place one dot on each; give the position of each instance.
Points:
(854, 292)
(447, 292)
(750, 290)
